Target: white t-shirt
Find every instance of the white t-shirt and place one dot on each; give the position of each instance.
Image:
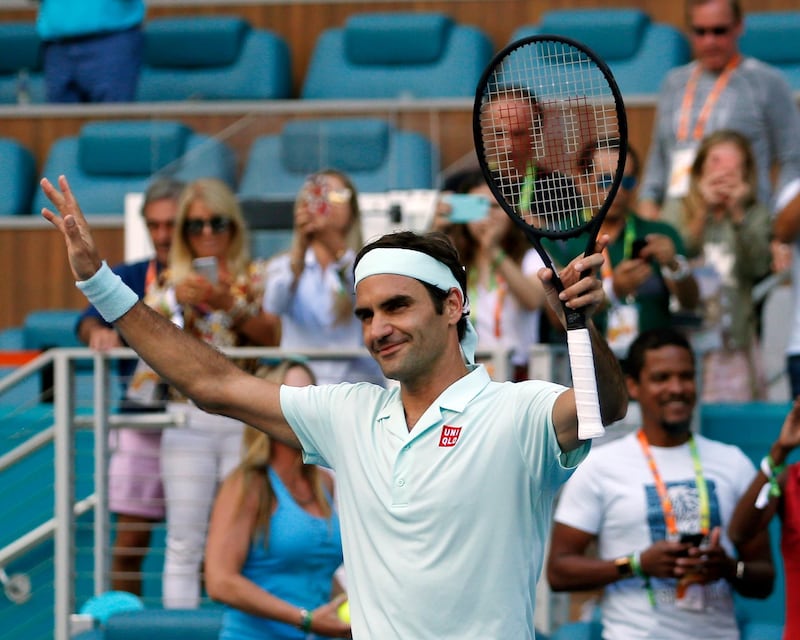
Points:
(443, 527)
(613, 496)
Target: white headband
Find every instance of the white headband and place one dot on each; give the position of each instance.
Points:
(422, 267)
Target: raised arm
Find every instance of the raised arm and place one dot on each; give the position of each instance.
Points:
(196, 369)
(762, 500)
(586, 292)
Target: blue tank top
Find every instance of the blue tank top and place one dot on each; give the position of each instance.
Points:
(296, 565)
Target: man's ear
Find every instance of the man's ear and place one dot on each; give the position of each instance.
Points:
(633, 387)
(454, 305)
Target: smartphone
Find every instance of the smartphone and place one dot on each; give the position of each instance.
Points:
(637, 247)
(466, 207)
(206, 267)
(694, 539)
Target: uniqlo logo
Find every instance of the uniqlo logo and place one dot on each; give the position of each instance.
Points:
(449, 436)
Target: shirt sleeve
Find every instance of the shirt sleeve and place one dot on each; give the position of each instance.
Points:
(278, 290)
(579, 505)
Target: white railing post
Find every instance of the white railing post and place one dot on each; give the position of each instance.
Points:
(64, 408)
(101, 520)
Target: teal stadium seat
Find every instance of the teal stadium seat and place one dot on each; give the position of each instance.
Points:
(772, 37)
(17, 179)
(212, 58)
(638, 51)
(108, 159)
(159, 624)
(375, 155)
(21, 77)
(397, 55)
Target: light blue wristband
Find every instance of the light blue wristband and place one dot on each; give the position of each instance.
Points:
(106, 291)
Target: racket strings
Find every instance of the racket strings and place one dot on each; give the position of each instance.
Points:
(543, 106)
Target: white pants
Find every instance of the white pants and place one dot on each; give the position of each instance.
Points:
(194, 459)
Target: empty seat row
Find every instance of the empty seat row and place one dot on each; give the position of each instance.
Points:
(108, 159)
(382, 55)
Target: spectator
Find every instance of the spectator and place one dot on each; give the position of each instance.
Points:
(641, 497)
(720, 89)
(514, 130)
(135, 493)
(447, 470)
(726, 231)
(92, 49)
(776, 489)
(506, 295)
(226, 312)
(645, 264)
(273, 541)
(311, 286)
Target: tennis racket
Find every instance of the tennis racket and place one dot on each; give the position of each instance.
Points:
(541, 105)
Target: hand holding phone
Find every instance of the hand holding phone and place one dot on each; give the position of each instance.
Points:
(207, 267)
(636, 248)
(694, 539)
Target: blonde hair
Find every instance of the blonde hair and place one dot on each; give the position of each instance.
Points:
(257, 452)
(219, 198)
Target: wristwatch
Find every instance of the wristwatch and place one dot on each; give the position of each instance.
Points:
(624, 566)
(681, 272)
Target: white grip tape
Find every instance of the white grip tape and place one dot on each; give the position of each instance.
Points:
(584, 382)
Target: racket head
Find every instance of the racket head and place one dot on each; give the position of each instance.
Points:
(541, 105)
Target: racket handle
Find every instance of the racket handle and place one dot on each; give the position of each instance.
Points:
(584, 382)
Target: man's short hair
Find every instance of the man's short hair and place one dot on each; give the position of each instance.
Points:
(735, 6)
(435, 244)
(162, 189)
(649, 341)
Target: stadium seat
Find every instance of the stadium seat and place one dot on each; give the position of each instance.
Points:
(212, 58)
(17, 179)
(159, 624)
(21, 77)
(639, 52)
(391, 55)
(772, 36)
(375, 155)
(111, 158)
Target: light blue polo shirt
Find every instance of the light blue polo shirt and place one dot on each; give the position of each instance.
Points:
(443, 528)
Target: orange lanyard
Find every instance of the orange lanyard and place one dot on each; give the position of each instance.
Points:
(711, 100)
(498, 307)
(150, 276)
(663, 495)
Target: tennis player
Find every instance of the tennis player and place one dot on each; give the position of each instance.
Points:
(446, 483)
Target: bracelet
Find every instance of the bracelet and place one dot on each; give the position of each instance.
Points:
(305, 620)
(681, 272)
(636, 564)
(107, 293)
(771, 489)
(498, 259)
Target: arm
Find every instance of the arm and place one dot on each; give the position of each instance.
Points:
(748, 520)
(786, 225)
(586, 292)
(197, 370)
(230, 535)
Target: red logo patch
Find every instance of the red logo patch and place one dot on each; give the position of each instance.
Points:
(449, 436)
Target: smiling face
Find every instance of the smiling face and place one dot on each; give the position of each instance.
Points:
(667, 393)
(401, 327)
(213, 237)
(714, 33)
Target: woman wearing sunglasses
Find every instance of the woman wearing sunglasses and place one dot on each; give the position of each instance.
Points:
(213, 291)
(311, 286)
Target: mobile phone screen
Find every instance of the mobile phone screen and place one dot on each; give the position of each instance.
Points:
(467, 207)
(206, 267)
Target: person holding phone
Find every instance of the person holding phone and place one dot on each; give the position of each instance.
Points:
(645, 266)
(657, 503)
(506, 296)
(311, 286)
(213, 291)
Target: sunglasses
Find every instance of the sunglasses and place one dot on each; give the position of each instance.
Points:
(715, 31)
(606, 180)
(217, 224)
